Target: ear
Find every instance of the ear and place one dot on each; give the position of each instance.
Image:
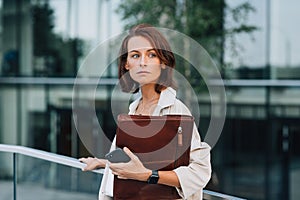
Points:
(126, 66)
(163, 66)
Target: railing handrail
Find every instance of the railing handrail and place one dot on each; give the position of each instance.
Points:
(207, 194)
(73, 162)
(44, 155)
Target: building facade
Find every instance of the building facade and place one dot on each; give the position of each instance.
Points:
(43, 44)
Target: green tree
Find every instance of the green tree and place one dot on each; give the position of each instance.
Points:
(60, 55)
(202, 20)
(43, 24)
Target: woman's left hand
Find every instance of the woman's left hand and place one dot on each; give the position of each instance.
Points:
(134, 169)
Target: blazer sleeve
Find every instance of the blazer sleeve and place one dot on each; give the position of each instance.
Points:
(194, 177)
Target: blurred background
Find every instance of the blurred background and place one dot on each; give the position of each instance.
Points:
(255, 45)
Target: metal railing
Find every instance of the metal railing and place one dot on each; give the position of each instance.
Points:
(73, 162)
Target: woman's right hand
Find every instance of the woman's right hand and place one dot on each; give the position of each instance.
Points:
(93, 163)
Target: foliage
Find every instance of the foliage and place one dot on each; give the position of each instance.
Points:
(43, 24)
(59, 55)
(202, 20)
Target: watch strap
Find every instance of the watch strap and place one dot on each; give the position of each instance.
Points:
(153, 179)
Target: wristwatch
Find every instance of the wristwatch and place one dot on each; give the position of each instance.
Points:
(153, 179)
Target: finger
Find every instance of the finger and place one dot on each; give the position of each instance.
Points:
(87, 168)
(114, 173)
(111, 166)
(121, 177)
(84, 169)
(85, 160)
(129, 153)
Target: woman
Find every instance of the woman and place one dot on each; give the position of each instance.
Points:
(146, 64)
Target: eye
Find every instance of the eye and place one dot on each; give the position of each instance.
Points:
(135, 55)
(152, 55)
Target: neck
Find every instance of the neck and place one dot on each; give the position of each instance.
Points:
(149, 93)
(149, 100)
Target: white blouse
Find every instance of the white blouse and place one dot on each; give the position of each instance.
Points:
(194, 177)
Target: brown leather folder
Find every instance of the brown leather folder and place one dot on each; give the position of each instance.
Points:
(161, 143)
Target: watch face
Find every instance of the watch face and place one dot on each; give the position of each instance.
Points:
(153, 179)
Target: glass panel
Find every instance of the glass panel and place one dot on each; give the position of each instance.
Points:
(281, 44)
(40, 116)
(48, 38)
(1, 33)
(54, 52)
(293, 159)
(39, 179)
(249, 49)
(52, 38)
(6, 176)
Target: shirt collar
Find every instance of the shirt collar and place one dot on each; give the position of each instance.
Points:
(166, 99)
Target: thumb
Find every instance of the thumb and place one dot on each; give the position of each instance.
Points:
(129, 153)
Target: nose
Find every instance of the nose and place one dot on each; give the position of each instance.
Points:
(143, 61)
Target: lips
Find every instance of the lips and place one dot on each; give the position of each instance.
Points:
(143, 72)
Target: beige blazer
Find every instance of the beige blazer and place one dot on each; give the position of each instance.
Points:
(194, 177)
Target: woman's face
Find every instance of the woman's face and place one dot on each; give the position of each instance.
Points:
(142, 61)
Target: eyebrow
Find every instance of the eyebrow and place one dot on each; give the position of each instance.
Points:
(138, 50)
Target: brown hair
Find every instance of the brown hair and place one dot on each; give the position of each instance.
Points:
(164, 53)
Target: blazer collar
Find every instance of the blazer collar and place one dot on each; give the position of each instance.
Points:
(166, 99)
